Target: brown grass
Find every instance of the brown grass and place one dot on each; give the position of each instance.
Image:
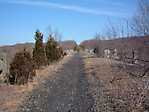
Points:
(122, 92)
(12, 96)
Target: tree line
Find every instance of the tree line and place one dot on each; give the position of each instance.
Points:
(137, 26)
(24, 65)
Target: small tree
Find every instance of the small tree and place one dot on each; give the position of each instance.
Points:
(49, 49)
(59, 52)
(53, 50)
(39, 55)
(21, 68)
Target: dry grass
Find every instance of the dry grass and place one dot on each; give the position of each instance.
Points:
(120, 92)
(12, 96)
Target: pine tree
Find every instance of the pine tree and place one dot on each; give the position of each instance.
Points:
(53, 51)
(49, 49)
(39, 55)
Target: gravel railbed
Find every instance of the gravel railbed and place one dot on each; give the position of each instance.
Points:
(67, 91)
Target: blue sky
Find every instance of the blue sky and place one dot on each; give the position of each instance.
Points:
(74, 19)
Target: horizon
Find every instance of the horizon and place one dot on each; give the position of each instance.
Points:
(76, 20)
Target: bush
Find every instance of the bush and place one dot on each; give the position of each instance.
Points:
(21, 68)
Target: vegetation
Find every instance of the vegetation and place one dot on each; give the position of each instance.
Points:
(39, 56)
(137, 26)
(53, 50)
(76, 48)
(82, 47)
(23, 65)
(98, 46)
(22, 68)
(140, 21)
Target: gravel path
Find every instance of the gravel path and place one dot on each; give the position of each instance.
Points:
(66, 92)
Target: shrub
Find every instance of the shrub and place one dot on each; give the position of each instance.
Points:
(21, 68)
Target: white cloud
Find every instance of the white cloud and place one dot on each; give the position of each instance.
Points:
(68, 7)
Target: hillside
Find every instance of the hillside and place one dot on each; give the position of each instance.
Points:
(141, 44)
(130, 42)
(69, 44)
(10, 51)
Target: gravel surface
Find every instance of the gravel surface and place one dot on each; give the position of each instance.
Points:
(67, 91)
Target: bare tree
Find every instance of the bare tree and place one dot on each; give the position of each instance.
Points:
(140, 21)
(111, 30)
(57, 35)
(99, 45)
(54, 33)
(128, 32)
(125, 28)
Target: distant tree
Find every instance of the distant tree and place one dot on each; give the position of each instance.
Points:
(21, 68)
(39, 55)
(57, 35)
(82, 47)
(76, 48)
(98, 46)
(111, 30)
(140, 21)
(54, 33)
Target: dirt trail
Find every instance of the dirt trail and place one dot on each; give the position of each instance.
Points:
(67, 91)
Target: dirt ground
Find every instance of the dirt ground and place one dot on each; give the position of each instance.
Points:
(113, 89)
(79, 84)
(67, 91)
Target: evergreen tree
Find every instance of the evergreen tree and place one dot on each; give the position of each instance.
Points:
(53, 51)
(39, 55)
(49, 49)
